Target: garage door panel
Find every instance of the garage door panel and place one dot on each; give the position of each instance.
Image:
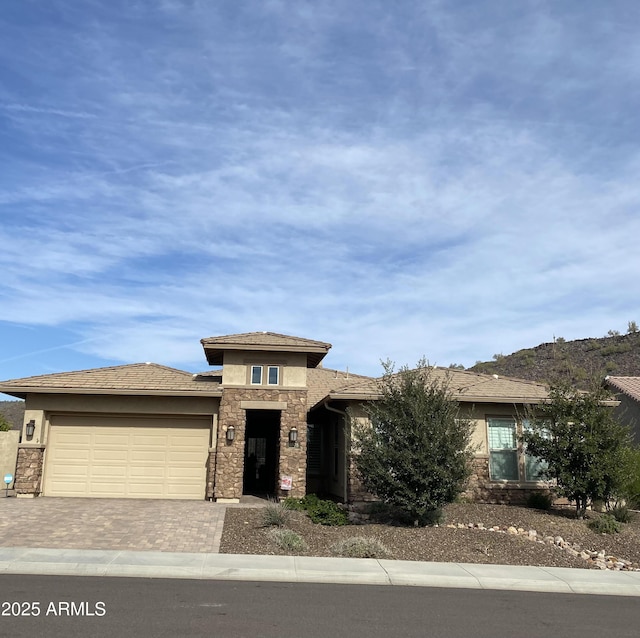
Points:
(89, 456)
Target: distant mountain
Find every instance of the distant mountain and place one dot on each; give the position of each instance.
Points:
(579, 361)
(13, 411)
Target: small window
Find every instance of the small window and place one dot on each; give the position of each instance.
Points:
(273, 375)
(256, 375)
(503, 450)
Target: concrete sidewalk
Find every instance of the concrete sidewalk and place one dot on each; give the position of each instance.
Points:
(299, 569)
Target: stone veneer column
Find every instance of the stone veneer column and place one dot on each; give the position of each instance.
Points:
(229, 463)
(29, 466)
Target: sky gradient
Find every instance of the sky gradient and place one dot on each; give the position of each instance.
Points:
(447, 179)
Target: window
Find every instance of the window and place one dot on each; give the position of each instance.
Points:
(269, 375)
(503, 449)
(256, 375)
(273, 375)
(533, 466)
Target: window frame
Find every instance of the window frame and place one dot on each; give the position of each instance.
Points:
(253, 369)
(269, 369)
(513, 452)
(522, 459)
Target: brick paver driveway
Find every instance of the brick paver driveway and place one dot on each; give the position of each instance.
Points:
(126, 524)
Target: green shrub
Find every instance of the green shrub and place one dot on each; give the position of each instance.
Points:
(327, 513)
(288, 540)
(621, 513)
(360, 547)
(275, 515)
(294, 504)
(604, 524)
(540, 500)
(319, 511)
(5, 426)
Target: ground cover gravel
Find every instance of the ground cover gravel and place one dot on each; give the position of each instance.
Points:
(244, 534)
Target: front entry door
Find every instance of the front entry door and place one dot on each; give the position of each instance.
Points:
(261, 452)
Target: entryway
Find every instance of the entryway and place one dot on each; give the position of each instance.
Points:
(261, 451)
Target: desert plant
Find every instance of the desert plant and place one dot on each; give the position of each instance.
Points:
(360, 547)
(632, 326)
(275, 515)
(583, 445)
(604, 524)
(327, 513)
(288, 540)
(621, 513)
(540, 500)
(320, 511)
(416, 452)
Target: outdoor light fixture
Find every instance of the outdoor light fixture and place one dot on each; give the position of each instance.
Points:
(293, 435)
(231, 434)
(31, 428)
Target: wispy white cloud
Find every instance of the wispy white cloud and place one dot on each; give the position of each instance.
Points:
(421, 180)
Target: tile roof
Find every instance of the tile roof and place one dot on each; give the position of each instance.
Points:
(628, 385)
(465, 386)
(135, 378)
(321, 381)
(264, 341)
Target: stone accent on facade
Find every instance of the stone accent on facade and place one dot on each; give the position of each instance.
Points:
(481, 489)
(292, 460)
(355, 490)
(211, 473)
(29, 469)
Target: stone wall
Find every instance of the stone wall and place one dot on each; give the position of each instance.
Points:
(229, 462)
(29, 469)
(481, 489)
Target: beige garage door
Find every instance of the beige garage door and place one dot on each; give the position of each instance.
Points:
(120, 457)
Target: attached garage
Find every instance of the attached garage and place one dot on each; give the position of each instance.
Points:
(127, 457)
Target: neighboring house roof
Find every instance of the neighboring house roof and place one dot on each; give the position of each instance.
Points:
(465, 386)
(627, 385)
(133, 379)
(214, 347)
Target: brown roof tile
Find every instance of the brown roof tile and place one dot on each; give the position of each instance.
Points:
(628, 385)
(214, 347)
(135, 378)
(321, 381)
(465, 386)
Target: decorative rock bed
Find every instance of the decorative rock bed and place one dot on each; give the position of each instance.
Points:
(599, 560)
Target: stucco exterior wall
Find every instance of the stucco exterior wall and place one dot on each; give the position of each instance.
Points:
(8, 454)
(235, 371)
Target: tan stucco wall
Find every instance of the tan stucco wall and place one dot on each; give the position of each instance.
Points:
(293, 367)
(478, 414)
(8, 454)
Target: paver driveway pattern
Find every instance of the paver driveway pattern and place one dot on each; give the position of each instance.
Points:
(126, 524)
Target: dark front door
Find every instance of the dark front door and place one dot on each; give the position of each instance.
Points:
(261, 452)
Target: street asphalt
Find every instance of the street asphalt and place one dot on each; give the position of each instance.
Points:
(299, 569)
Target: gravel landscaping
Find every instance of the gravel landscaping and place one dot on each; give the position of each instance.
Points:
(462, 541)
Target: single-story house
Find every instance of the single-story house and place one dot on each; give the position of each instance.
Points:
(269, 419)
(627, 391)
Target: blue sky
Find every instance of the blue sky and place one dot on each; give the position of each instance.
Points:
(448, 179)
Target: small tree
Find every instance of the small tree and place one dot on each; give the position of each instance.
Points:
(583, 445)
(415, 454)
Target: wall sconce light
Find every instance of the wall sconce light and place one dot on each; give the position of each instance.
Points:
(31, 428)
(293, 435)
(231, 434)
